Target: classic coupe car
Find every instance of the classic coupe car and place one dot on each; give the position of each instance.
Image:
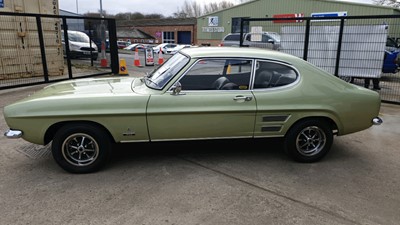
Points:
(198, 93)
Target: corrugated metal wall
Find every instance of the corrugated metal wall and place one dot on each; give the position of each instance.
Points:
(268, 8)
(20, 54)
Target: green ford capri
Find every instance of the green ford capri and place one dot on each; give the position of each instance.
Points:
(198, 94)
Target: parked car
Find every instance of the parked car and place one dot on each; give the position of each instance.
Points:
(198, 93)
(122, 44)
(391, 61)
(163, 47)
(173, 50)
(391, 44)
(133, 47)
(270, 40)
(80, 45)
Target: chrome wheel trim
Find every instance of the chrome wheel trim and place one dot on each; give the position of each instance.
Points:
(310, 141)
(80, 149)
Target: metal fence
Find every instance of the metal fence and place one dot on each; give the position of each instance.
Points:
(354, 48)
(37, 48)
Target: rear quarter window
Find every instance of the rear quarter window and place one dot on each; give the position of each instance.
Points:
(271, 74)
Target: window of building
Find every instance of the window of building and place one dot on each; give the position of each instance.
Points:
(168, 37)
(236, 25)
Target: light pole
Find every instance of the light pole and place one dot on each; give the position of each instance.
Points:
(77, 12)
(101, 9)
(103, 62)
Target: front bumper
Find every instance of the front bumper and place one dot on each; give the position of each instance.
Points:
(13, 134)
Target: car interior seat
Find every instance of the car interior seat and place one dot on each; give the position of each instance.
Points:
(275, 78)
(263, 79)
(220, 82)
(230, 86)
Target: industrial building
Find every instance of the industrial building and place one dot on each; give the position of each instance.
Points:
(213, 27)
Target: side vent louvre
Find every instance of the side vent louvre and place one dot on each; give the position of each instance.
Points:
(275, 118)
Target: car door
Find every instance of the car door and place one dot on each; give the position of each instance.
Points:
(215, 102)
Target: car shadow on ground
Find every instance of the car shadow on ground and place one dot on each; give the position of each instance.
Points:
(268, 151)
(124, 154)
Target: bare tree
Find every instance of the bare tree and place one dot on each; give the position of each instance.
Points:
(392, 3)
(193, 9)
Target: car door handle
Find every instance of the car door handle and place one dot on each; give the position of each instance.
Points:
(243, 98)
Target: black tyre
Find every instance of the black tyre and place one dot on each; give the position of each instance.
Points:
(308, 140)
(81, 148)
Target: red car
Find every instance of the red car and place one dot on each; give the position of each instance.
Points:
(122, 44)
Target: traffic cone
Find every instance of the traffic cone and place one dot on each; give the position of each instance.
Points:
(136, 62)
(229, 69)
(123, 70)
(160, 57)
(103, 61)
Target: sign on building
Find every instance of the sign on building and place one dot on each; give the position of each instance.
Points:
(1, 3)
(327, 14)
(256, 33)
(290, 15)
(213, 21)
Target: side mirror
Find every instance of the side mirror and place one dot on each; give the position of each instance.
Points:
(176, 89)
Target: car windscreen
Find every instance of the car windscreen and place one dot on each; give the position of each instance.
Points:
(160, 77)
(78, 37)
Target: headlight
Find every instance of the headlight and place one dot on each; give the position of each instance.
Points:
(94, 46)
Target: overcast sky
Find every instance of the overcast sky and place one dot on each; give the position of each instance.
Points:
(164, 7)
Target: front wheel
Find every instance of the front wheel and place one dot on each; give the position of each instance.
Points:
(81, 148)
(308, 140)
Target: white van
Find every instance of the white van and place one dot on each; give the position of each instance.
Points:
(80, 45)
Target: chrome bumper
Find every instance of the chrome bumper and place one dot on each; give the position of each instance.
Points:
(13, 134)
(377, 121)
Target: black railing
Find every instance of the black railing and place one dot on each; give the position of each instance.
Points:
(36, 48)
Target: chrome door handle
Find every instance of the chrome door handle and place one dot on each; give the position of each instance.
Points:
(240, 97)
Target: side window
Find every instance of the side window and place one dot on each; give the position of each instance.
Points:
(266, 38)
(248, 37)
(271, 74)
(232, 37)
(218, 74)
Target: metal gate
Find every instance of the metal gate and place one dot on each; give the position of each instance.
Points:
(38, 48)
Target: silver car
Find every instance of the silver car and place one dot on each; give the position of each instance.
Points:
(270, 40)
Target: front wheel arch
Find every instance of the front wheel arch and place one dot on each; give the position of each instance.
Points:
(51, 131)
(81, 147)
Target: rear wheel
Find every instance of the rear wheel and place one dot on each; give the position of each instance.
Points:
(308, 140)
(81, 148)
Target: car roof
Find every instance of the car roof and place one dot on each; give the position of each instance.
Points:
(239, 52)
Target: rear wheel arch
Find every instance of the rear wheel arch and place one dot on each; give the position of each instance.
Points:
(310, 138)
